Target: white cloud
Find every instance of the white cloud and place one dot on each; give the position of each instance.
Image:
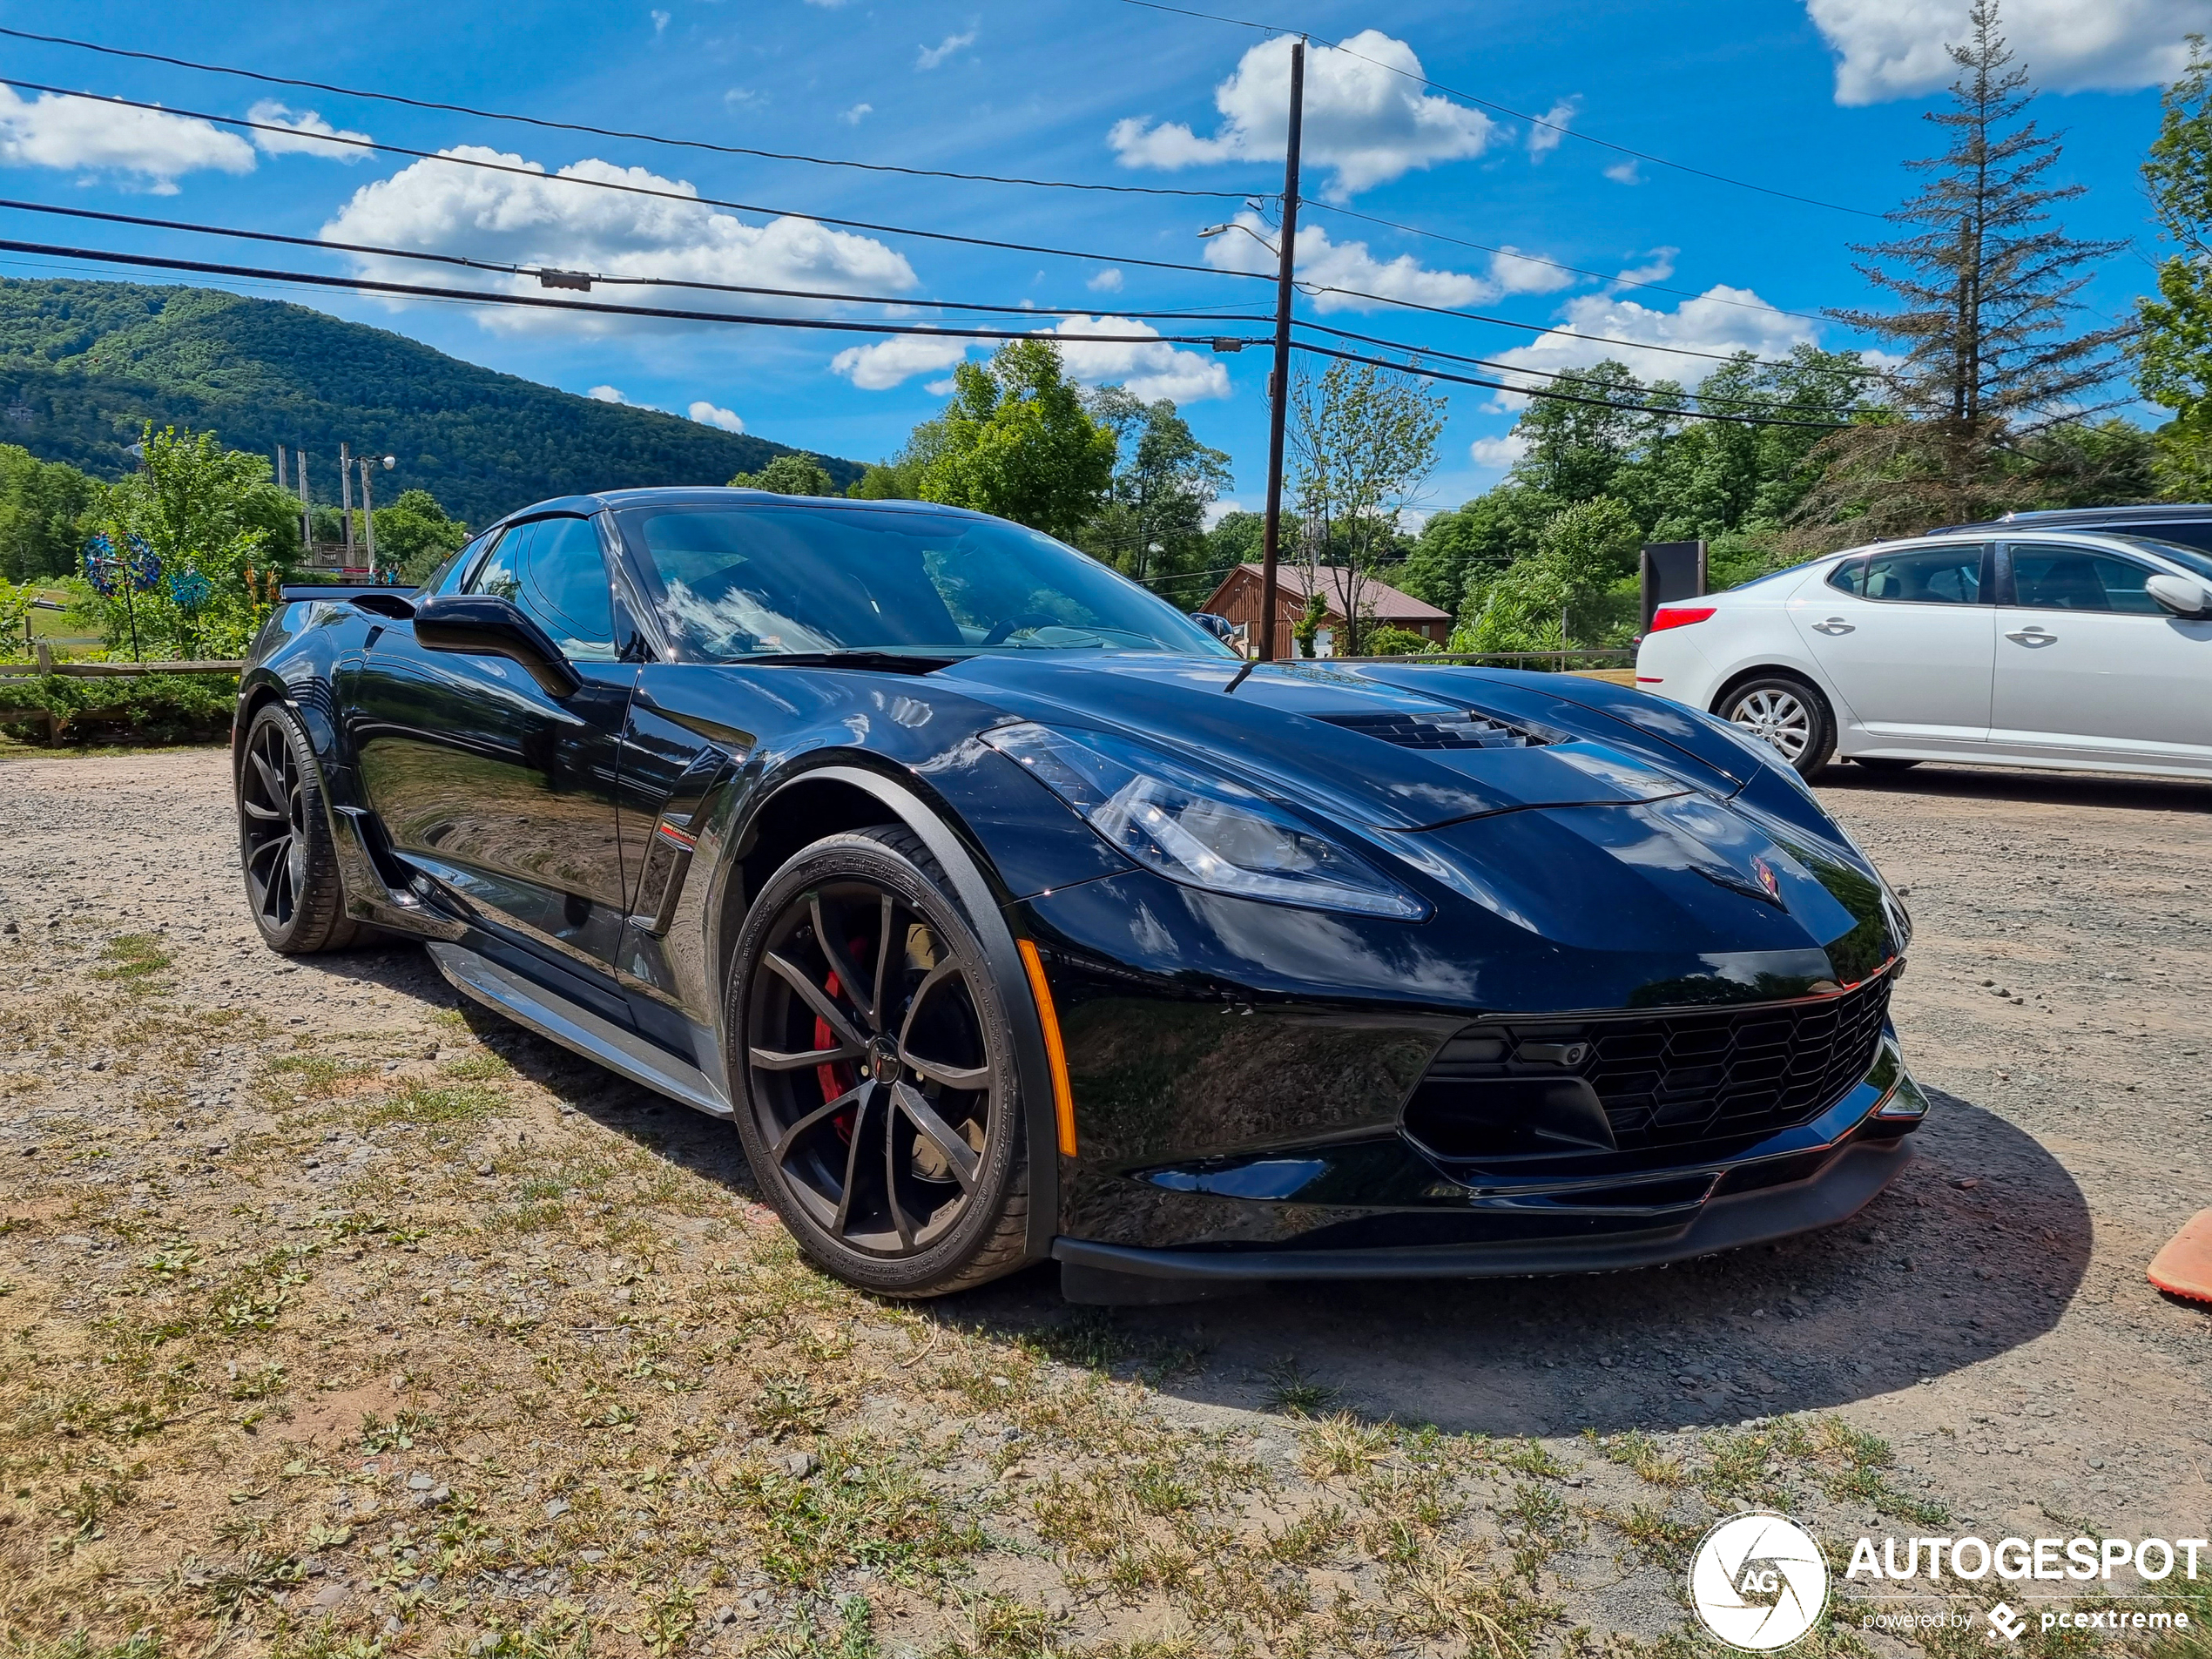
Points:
(930, 57)
(613, 394)
(1543, 140)
(1147, 365)
(1331, 264)
(706, 414)
(1218, 509)
(857, 114)
(1496, 454)
(1624, 172)
(1369, 125)
(1721, 321)
(894, 362)
(1516, 273)
(1107, 281)
(660, 22)
(1661, 268)
(1887, 49)
(529, 218)
(945, 387)
(303, 133)
(92, 136)
(738, 97)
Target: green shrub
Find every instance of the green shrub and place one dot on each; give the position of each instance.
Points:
(149, 708)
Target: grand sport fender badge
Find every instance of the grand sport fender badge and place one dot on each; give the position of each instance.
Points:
(1767, 879)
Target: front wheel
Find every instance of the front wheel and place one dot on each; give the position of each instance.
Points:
(879, 1099)
(1787, 715)
(283, 840)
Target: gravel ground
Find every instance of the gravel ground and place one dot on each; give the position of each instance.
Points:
(327, 1304)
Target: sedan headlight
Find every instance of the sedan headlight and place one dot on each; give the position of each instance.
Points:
(1203, 831)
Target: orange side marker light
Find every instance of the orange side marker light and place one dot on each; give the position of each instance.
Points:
(2184, 1267)
(1063, 1100)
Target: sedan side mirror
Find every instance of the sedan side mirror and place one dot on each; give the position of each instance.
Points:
(482, 625)
(2185, 598)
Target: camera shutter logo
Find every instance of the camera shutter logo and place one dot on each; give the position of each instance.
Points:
(1758, 1582)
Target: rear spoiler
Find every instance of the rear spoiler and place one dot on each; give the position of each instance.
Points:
(378, 601)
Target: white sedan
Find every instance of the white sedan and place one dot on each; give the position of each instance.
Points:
(2059, 649)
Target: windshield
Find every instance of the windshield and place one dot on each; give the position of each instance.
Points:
(2188, 558)
(758, 581)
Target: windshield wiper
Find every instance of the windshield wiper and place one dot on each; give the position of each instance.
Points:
(890, 662)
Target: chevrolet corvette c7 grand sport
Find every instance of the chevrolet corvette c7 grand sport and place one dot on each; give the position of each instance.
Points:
(1009, 916)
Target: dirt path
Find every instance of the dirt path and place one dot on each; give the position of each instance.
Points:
(327, 1305)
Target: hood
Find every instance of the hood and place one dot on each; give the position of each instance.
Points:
(1385, 755)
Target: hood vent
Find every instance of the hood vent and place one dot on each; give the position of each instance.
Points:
(1460, 731)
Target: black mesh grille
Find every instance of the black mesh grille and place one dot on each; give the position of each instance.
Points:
(1437, 731)
(1668, 1079)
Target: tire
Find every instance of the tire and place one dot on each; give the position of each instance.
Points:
(285, 849)
(1883, 764)
(888, 1133)
(1789, 716)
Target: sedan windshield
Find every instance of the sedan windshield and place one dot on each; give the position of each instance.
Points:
(749, 581)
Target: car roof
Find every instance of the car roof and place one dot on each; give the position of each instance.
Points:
(708, 495)
(2086, 517)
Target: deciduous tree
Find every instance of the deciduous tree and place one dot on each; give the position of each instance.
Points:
(2174, 354)
(1016, 440)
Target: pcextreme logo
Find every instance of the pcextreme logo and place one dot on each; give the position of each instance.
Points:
(1758, 1582)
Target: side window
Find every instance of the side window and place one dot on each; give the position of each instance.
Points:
(2072, 578)
(553, 573)
(449, 576)
(1927, 576)
(1850, 577)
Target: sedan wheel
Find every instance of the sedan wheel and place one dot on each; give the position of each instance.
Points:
(882, 1112)
(1789, 716)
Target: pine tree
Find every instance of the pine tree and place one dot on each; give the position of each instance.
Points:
(1986, 283)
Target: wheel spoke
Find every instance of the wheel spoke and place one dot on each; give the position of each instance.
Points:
(851, 1163)
(281, 844)
(848, 976)
(255, 810)
(270, 782)
(899, 1221)
(947, 1140)
(771, 1060)
(935, 977)
(951, 1076)
(877, 1010)
(816, 999)
(826, 1109)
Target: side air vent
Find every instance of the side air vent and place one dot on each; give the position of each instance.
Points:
(1467, 730)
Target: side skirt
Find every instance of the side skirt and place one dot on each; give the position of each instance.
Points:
(560, 1020)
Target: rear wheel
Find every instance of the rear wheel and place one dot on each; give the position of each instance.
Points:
(879, 1104)
(290, 862)
(1786, 714)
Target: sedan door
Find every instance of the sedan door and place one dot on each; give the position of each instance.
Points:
(1906, 637)
(502, 793)
(2090, 668)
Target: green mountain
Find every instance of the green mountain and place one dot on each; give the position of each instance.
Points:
(83, 366)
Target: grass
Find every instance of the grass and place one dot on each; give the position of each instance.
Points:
(132, 960)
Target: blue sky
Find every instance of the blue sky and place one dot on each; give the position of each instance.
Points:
(1823, 100)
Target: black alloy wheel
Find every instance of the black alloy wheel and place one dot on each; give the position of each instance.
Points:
(881, 1109)
(283, 840)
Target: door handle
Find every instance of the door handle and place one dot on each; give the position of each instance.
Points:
(1833, 625)
(2032, 636)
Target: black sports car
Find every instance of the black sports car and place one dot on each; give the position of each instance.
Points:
(1010, 915)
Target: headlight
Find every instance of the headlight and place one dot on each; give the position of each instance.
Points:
(1203, 831)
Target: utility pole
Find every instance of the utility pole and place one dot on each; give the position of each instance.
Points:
(306, 513)
(346, 497)
(1279, 381)
(368, 518)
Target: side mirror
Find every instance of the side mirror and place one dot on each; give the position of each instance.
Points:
(1219, 626)
(2185, 598)
(482, 625)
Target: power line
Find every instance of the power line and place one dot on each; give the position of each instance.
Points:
(1518, 115)
(316, 278)
(498, 267)
(1557, 397)
(1531, 259)
(541, 177)
(535, 303)
(606, 132)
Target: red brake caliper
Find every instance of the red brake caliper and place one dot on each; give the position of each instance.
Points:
(836, 1076)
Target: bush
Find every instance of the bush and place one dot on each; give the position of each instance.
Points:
(148, 708)
(1384, 640)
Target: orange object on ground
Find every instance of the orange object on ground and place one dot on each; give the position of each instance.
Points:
(2184, 1267)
